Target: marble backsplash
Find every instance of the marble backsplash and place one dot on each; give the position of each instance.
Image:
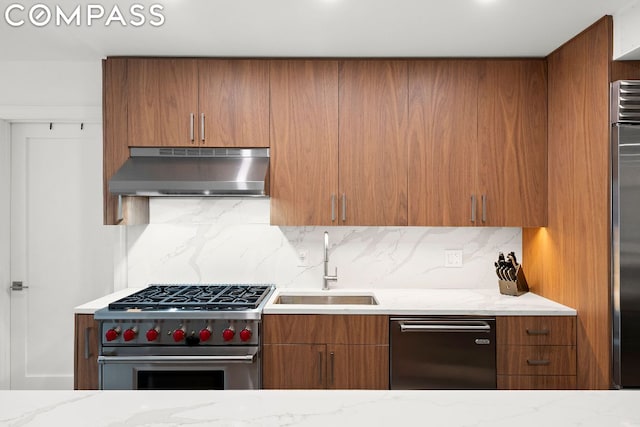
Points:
(206, 240)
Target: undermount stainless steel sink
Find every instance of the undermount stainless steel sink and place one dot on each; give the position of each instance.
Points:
(327, 299)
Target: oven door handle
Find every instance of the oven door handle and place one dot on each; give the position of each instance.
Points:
(444, 327)
(164, 359)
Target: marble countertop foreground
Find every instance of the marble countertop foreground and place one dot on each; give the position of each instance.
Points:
(320, 408)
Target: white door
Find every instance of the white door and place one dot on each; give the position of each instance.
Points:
(60, 250)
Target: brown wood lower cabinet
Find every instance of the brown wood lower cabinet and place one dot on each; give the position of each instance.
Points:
(85, 375)
(536, 352)
(536, 382)
(325, 351)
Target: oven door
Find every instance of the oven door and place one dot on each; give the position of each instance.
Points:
(225, 369)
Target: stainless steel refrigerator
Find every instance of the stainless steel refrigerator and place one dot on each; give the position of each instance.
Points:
(625, 221)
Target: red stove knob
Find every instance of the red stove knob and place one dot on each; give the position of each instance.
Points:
(245, 334)
(130, 334)
(178, 335)
(153, 334)
(228, 334)
(205, 334)
(112, 334)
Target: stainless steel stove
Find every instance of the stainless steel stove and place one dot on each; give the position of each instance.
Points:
(183, 337)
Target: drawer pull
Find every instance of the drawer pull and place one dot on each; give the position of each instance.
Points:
(542, 362)
(537, 332)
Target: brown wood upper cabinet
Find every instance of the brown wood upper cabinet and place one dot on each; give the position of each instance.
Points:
(338, 133)
(373, 143)
(477, 143)
(191, 102)
(304, 142)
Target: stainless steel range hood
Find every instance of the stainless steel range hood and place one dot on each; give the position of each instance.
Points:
(193, 172)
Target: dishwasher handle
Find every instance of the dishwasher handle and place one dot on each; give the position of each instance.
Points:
(436, 326)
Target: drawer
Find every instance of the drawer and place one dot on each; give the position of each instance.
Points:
(536, 382)
(536, 330)
(536, 360)
(325, 329)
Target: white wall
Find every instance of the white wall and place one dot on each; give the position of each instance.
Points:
(51, 90)
(626, 32)
(230, 240)
(5, 212)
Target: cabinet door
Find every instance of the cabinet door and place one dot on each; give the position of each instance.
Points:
(234, 102)
(114, 128)
(373, 109)
(293, 366)
(86, 353)
(163, 98)
(443, 119)
(304, 142)
(512, 135)
(358, 367)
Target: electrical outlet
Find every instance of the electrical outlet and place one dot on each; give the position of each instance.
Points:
(303, 258)
(453, 258)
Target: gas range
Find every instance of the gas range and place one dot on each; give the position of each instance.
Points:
(183, 336)
(185, 314)
(219, 301)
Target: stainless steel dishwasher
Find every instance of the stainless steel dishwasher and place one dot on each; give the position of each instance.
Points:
(449, 352)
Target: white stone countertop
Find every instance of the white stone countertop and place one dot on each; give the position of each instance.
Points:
(426, 302)
(320, 408)
(398, 302)
(91, 306)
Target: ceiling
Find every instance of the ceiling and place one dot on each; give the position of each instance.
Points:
(313, 28)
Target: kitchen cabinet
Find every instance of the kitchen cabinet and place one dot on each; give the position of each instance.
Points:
(85, 375)
(189, 102)
(477, 143)
(163, 102)
(373, 118)
(339, 142)
(127, 210)
(512, 143)
(304, 142)
(443, 141)
(233, 101)
(536, 352)
(325, 351)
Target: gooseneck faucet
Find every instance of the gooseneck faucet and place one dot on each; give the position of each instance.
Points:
(326, 278)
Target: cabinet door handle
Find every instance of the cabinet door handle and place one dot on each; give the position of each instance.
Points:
(344, 207)
(537, 332)
(333, 207)
(473, 208)
(484, 208)
(202, 127)
(87, 336)
(191, 126)
(320, 367)
(119, 215)
(541, 362)
(331, 356)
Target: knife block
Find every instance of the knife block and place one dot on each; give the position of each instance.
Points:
(514, 287)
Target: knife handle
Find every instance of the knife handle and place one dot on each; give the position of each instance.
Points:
(473, 208)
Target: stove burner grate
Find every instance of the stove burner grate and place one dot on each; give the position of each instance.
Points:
(194, 297)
